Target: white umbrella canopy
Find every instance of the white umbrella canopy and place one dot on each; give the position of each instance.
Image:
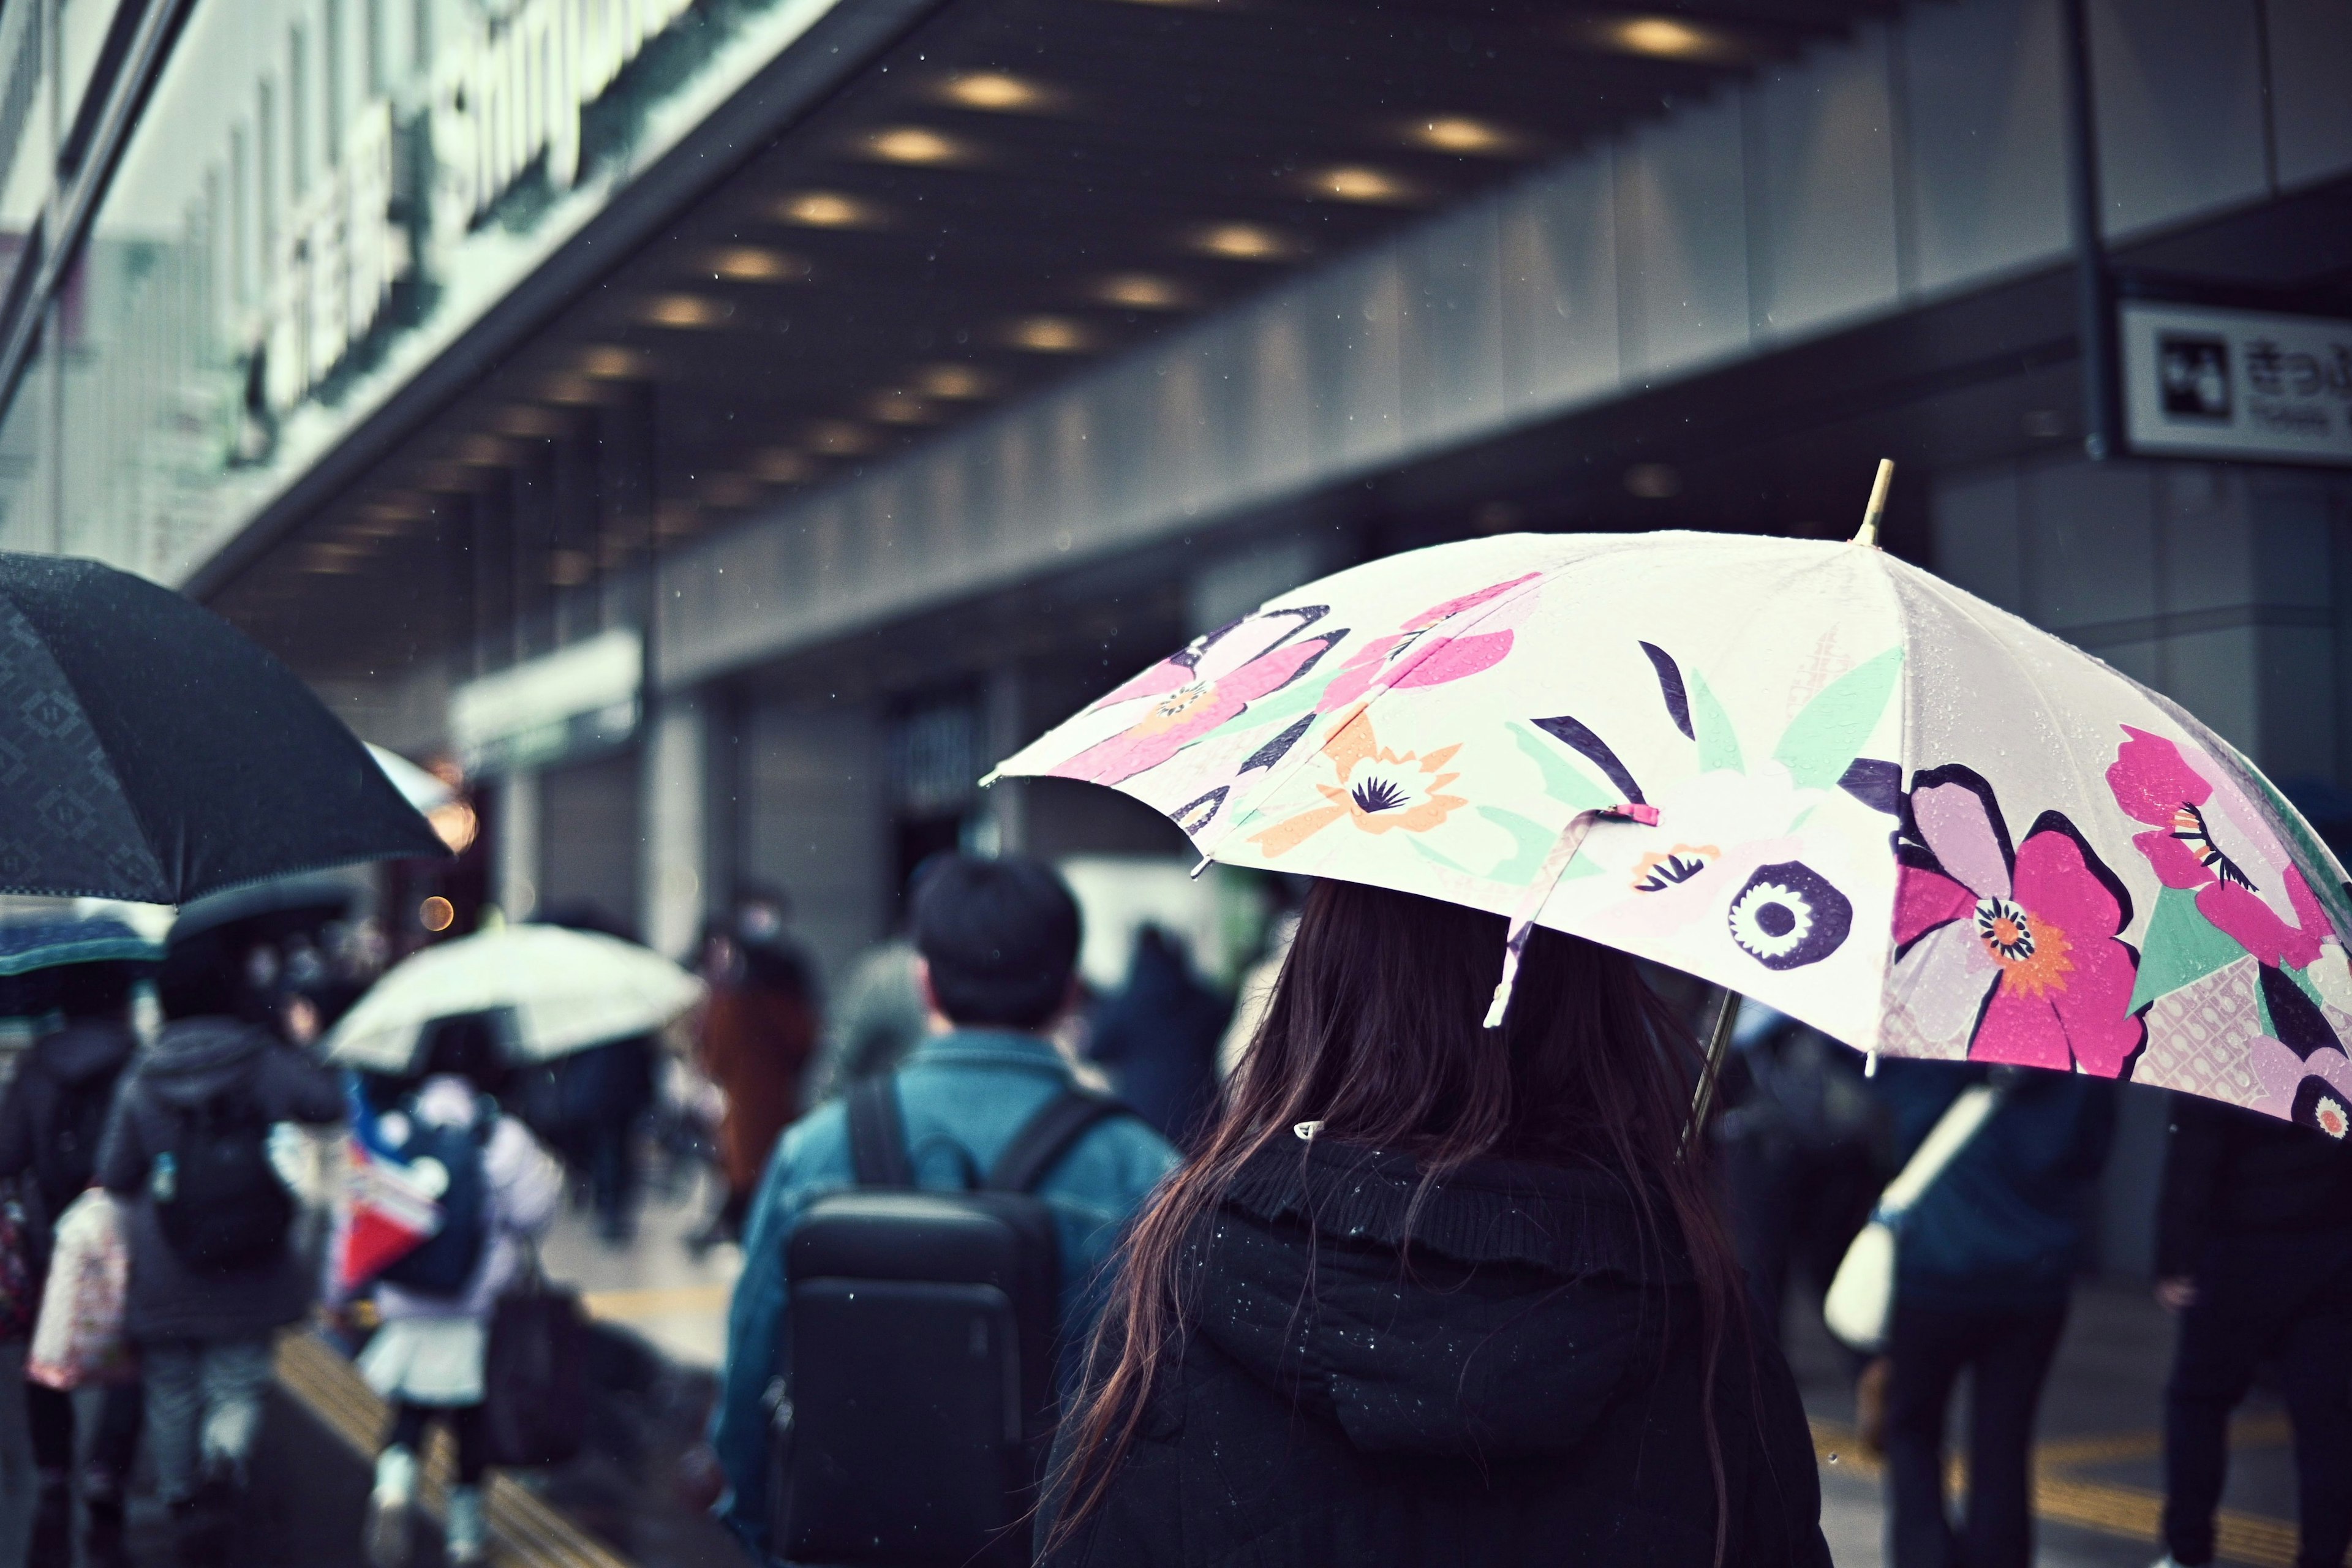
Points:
(1805, 771)
(560, 991)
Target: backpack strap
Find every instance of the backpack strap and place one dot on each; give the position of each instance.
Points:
(1059, 1123)
(878, 1134)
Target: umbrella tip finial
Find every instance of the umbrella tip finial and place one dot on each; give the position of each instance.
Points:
(1868, 534)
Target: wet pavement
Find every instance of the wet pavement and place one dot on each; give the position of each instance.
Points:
(660, 1311)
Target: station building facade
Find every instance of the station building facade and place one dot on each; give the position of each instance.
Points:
(726, 426)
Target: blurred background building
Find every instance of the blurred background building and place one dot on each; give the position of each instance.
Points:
(723, 427)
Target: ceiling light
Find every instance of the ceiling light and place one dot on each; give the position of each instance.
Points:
(1143, 292)
(1244, 242)
(831, 209)
(897, 409)
(782, 465)
(1653, 481)
(840, 438)
(730, 490)
(1664, 39)
(570, 568)
(1049, 335)
(570, 392)
(485, 452)
(673, 518)
(752, 264)
(999, 92)
(685, 311)
(1354, 183)
(952, 381)
(524, 420)
(1462, 135)
(915, 144)
(611, 363)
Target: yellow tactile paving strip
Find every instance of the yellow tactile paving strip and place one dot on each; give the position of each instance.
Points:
(628, 1306)
(528, 1533)
(2063, 1496)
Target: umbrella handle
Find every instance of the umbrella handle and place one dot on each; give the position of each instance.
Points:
(1718, 1044)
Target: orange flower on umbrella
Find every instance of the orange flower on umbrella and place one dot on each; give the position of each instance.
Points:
(1373, 788)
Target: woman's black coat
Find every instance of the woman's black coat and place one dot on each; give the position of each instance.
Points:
(1528, 1390)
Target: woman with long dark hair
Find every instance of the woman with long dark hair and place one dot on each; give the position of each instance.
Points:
(1432, 1293)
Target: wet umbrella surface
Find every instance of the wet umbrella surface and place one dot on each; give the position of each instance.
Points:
(150, 752)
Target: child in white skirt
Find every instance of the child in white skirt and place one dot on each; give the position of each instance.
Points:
(427, 1359)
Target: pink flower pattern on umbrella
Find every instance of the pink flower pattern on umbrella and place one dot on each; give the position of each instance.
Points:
(2206, 836)
(2315, 1090)
(1442, 659)
(1192, 693)
(2019, 950)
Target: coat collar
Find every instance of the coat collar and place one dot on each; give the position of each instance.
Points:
(990, 1047)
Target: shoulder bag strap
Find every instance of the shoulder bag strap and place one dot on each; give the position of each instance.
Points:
(1951, 1133)
(878, 1134)
(1060, 1122)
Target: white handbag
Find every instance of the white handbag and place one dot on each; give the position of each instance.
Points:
(1861, 1297)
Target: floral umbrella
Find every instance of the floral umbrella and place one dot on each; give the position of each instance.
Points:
(1807, 771)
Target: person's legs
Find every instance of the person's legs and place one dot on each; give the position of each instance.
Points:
(2316, 1355)
(1925, 1351)
(468, 1535)
(115, 1444)
(390, 1511)
(2213, 1362)
(49, 1423)
(170, 1370)
(2012, 1363)
(235, 1374)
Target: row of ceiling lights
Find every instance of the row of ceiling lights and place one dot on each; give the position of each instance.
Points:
(992, 91)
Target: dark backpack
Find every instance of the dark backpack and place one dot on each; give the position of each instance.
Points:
(218, 1199)
(444, 1265)
(924, 1329)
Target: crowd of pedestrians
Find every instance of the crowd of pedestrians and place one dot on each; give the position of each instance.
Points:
(1369, 1283)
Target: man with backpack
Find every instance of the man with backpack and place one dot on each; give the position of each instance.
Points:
(214, 1273)
(51, 1123)
(925, 1257)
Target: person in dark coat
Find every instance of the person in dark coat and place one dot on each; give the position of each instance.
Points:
(204, 1335)
(1430, 1293)
(51, 1120)
(757, 1031)
(2253, 1250)
(589, 1104)
(1157, 1038)
(1984, 1272)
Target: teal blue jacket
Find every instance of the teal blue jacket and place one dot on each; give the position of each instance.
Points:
(964, 1096)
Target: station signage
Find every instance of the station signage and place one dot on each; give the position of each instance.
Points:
(582, 698)
(2254, 386)
(508, 93)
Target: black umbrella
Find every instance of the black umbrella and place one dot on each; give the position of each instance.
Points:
(148, 750)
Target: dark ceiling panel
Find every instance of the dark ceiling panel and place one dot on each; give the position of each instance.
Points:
(1110, 138)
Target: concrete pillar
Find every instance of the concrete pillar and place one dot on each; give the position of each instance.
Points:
(515, 873)
(813, 822)
(1006, 728)
(674, 879)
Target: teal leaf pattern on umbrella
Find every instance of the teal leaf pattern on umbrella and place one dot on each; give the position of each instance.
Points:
(1561, 781)
(1718, 742)
(1823, 739)
(2181, 947)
